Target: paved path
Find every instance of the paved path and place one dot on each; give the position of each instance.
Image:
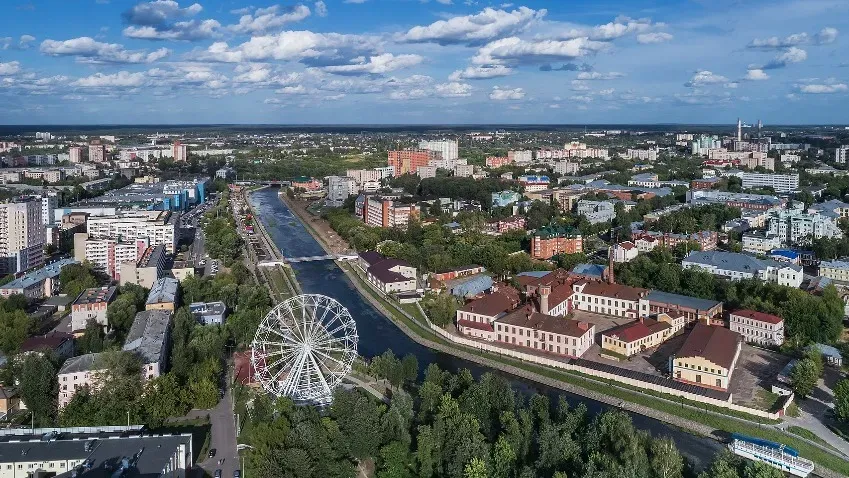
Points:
(223, 438)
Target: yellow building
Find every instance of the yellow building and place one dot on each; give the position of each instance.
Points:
(708, 357)
(642, 334)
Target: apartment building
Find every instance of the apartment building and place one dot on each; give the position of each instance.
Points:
(550, 241)
(706, 240)
(49, 203)
(107, 255)
(741, 200)
(180, 152)
(796, 226)
(447, 149)
(380, 212)
(780, 183)
(757, 159)
(566, 167)
(648, 155)
(521, 157)
(149, 338)
(164, 295)
(841, 154)
(158, 227)
(39, 283)
(534, 183)
(625, 252)
(757, 327)
(708, 357)
(426, 172)
(97, 151)
(21, 235)
(91, 305)
(498, 161)
(340, 188)
(597, 212)
(75, 154)
(566, 199)
(838, 271)
(78, 372)
(737, 266)
(760, 242)
(501, 226)
(409, 161)
(149, 268)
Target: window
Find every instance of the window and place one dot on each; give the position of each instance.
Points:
(698, 379)
(718, 382)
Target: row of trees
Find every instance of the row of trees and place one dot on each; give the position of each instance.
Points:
(807, 317)
(460, 427)
(222, 240)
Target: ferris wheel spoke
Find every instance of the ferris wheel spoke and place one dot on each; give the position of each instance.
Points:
(328, 341)
(294, 375)
(342, 325)
(330, 357)
(322, 378)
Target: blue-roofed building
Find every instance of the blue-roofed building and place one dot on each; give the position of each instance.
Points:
(163, 295)
(592, 271)
(536, 274)
(831, 355)
(37, 284)
(785, 255)
(469, 286)
(505, 198)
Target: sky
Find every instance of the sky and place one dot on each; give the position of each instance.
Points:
(424, 62)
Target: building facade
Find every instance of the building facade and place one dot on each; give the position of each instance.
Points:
(757, 327)
(21, 235)
(91, 305)
(550, 241)
(447, 149)
(409, 161)
(157, 227)
(781, 183)
(379, 212)
(708, 357)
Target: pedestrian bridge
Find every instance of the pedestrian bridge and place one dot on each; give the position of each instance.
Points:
(292, 260)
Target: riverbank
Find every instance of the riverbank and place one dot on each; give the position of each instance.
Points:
(693, 417)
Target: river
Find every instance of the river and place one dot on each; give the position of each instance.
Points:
(377, 333)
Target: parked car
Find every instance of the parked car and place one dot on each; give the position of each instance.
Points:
(212, 452)
(217, 473)
(237, 474)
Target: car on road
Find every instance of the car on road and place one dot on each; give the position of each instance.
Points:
(217, 473)
(212, 452)
(237, 474)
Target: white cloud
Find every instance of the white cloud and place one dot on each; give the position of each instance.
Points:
(445, 2)
(705, 77)
(581, 98)
(502, 94)
(618, 28)
(320, 8)
(159, 12)
(606, 92)
(377, 65)
(91, 50)
(290, 45)
(481, 73)
(756, 74)
(267, 19)
(192, 30)
(826, 35)
(11, 68)
(355, 1)
(292, 90)
(453, 90)
(514, 50)
(654, 37)
(579, 85)
(831, 86)
(23, 43)
(775, 43)
(594, 75)
(489, 24)
(791, 55)
(122, 79)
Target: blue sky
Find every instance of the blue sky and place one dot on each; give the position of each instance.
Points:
(424, 61)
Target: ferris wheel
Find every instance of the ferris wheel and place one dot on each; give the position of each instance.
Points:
(304, 347)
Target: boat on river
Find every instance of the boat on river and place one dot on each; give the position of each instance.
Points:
(774, 454)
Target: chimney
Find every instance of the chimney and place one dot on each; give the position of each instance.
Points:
(583, 325)
(610, 266)
(739, 130)
(544, 291)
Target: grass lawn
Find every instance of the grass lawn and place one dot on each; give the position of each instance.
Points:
(805, 433)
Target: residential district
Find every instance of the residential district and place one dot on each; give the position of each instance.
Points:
(710, 265)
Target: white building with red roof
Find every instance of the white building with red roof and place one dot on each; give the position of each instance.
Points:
(757, 327)
(625, 252)
(641, 334)
(610, 299)
(476, 317)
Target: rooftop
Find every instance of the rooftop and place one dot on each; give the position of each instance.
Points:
(716, 344)
(494, 304)
(148, 334)
(164, 290)
(207, 308)
(617, 291)
(49, 341)
(47, 272)
(734, 261)
(682, 300)
(96, 295)
(152, 256)
(759, 316)
(528, 317)
(637, 329)
(81, 363)
(548, 232)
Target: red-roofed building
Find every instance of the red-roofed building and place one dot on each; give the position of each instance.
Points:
(60, 343)
(610, 299)
(625, 252)
(641, 334)
(525, 327)
(757, 327)
(708, 357)
(476, 317)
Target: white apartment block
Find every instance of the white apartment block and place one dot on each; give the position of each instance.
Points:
(75, 154)
(755, 159)
(841, 154)
(21, 235)
(425, 172)
(449, 164)
(158, 227)
(837, 271)
(447, 148)
(464, 170)
(520, 157)
(78, 372)
(758, 327)
(737, 266)
(597, 211)
(339, 188)
(795, 226)
(790, 158)
(107, 255)
(758, 243)
(566, 167)
(363, 175)
(49, 203)
(648, 155)
(380, 212)
(781, 183)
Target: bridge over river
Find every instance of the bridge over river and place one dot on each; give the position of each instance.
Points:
(347, 256)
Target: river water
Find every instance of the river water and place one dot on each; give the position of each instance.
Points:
(377, 333)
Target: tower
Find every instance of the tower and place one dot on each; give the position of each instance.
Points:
(544, 292)
(760, 126)
(739, 130)
(610, 278)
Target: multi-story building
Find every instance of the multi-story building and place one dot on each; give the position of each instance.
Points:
(841, 154)
(380, 212)
(597, 212)
(837, 271)
(149, 268)
(476, 318)
(149, 338)
(164, 295)
(77, 372)
(305, 183)
(640, 335)
(409, 160)
(521, 157)
(736, 266)
(625, 252)
(646, 180)
(648, 155)
(49, 203)
(389, 275)
(760, 242)
(693, 309)
(361, 176)
(448, 164)
(527, 328)
(741, 200)
(54, 176)
(780, 183)
(757, 327)
(795, 226)
(833, 209)
(755, 160)
(566, 167)
(340, 188)
(97, 151)
(498, 161)
(501, 226)
(704, 183)
(706, 240)
(464, 170)
(790, 158)
(425, 172)
(75, 154)
(91, 305)
(551, 241)
(609, 298)
(534, 183)
(708, 357)
(180, 152)
(39, 283)
(107, 255)
(209, 313)
(21, 235)
(102, 450)
(505, 198)
(158, 227)
(447, 149)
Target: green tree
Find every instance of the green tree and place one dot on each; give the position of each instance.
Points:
(666, 461)
(804, 377)
(841, 400)
(476, 468)
(15, 326)
(396, 461)
(503, 459)
(38, 387)
(759, 469)
(163, 398)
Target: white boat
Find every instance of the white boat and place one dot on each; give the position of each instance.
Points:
(774, 454)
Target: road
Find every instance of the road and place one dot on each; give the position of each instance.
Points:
(223, 439)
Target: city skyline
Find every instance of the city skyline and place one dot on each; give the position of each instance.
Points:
(424, 62)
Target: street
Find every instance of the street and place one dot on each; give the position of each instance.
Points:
(223, 439)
